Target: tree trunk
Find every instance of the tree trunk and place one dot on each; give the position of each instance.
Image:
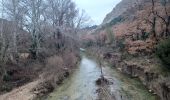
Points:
(154, 36)
(2, 36)
(35, 27)
(154, 27)
(167, 27)
(101, 70)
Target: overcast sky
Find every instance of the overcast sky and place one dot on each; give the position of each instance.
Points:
(97, 9)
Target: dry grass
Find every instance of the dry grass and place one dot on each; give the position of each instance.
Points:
(57, 68)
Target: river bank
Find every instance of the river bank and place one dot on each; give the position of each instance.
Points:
(53, 74)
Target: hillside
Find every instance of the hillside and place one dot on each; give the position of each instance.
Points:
(123, 7)
(132, 38)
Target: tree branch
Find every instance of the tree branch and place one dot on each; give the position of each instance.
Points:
(160, 17)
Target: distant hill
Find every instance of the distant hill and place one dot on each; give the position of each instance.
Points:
(91, 27)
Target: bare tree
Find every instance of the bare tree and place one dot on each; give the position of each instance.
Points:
(166, 19)
(82, 20)
(3, 47)
(151, 19)
(33, 23)
(13, 12)
(2, 38)
(15, 4)
(153, 31)
(34, 15)
(62, 12)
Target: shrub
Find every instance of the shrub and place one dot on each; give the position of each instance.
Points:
(88, 43)
(145, 35)
(6, 87)
(120, 43)
(116, 20)
(70, 59)
(54, 69)
(110, 36)
(163, 52)
(6, 77)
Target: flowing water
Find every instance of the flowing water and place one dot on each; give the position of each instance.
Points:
(81, 85)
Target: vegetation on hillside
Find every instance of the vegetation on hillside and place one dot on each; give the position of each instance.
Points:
(129, 42)
(163, 52)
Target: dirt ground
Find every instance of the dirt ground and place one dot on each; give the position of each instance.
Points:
(21, 93)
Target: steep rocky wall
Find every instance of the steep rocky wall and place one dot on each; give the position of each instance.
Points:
(122, 7)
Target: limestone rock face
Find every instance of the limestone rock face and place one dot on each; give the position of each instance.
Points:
(122, 7)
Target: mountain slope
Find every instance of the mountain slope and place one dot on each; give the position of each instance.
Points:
(128, 31)
(122, 7)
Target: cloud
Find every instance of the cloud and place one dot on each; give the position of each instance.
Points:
(97, 9)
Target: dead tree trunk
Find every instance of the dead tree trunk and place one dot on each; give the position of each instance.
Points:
(15, 5)
(153, 31)
(35, 17)
(2, 35)
(166, 19)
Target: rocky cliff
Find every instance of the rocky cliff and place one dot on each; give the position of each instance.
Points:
(121, 8)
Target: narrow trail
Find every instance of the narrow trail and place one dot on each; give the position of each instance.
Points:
(81, 85)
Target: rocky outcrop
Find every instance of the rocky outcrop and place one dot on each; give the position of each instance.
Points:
(122, 7)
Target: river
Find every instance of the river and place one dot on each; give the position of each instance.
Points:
(81, 84)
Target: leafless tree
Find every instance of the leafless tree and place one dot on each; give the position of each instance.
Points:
(82, 20)
(166, 19)
(12, 10)
(33, 23)
(58, 16)
(2, 38)
(153, 31)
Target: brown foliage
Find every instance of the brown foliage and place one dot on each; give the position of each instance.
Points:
(137, 47)
(58, 68)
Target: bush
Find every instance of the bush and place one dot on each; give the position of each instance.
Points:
(5, 87)
(145, 35)
(6, 77)
(88, 43)
(116, 20)
(110, 36)
(121, 44)
(163, 52)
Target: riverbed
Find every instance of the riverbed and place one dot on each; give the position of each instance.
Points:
(81, 84)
